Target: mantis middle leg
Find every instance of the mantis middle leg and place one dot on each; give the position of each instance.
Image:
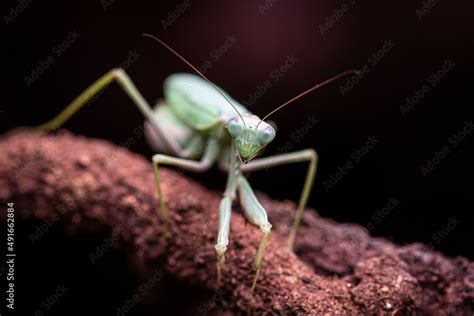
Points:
(208, 158)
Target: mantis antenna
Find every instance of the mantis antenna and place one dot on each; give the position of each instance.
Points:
(319, 85)
(195, 69)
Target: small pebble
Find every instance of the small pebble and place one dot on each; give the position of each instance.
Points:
(83, 161)
(469, 281)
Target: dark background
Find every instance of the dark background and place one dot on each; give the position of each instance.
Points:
(370, 108)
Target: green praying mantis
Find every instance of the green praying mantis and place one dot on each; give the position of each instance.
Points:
(198, 125)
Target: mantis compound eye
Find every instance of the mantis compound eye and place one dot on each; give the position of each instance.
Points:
(265, 134)
(234, 126)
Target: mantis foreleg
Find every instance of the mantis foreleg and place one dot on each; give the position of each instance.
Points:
(298, 156)
(257, 215)
(225, 210)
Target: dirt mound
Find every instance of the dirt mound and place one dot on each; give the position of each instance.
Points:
(338, 269)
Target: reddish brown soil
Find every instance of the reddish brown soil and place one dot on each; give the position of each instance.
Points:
(338, 269)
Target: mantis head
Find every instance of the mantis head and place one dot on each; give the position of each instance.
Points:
(251, 136)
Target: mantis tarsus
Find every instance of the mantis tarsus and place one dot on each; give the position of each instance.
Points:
(197, 114)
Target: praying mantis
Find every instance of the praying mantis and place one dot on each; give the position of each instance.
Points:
(198, 125)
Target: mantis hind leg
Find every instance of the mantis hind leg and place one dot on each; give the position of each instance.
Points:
(298, 156)
(127, 85)
(257, 215)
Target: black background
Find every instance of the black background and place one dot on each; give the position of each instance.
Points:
(370, 108)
